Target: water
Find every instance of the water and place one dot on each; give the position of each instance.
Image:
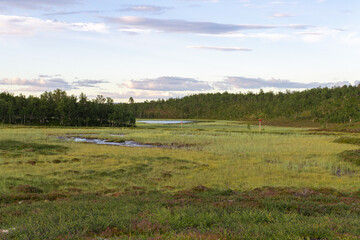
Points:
(106, 142)
(164, 121)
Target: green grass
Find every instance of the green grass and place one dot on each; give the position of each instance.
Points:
(280, 183)
(264, 213)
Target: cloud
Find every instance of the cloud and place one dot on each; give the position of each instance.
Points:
(48, 82)
(145, 8)
(231, 83)
(38, 84)
(72, 13)
(182, 26)
(317, 34)
(223, 49)
(34, 4)
(131, 8)
(168, 84)
(28, 26)
(282, 15)
(89, 83)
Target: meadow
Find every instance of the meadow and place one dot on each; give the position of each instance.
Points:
(202, 180)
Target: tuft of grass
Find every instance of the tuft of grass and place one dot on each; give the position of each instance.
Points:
(351, 156)
(348, 140)
(16, 148)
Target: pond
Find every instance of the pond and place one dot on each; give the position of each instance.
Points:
(107, 142)
(164, 121)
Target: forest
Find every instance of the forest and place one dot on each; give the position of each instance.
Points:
(58, 108)
(337, 105)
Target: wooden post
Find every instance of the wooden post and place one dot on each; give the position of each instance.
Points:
(260, 124)
(181, 124)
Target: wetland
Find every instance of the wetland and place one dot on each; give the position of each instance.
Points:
(212, 180)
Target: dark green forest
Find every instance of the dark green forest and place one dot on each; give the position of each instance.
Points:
(337, 105)
(58, 108)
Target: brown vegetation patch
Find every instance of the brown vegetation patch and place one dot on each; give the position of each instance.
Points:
(199, 235)
(134, 191)
(31, 162)
(117, 194)
(28, 189)
(146, 226)
(135, 188)
(305, 192)
(343, 172)
(272, 161)
(75, 160)
(181, 202)
(288, 191)
(77, 190)
(73, 171)
(166, 174)
(107, 233)
(200, 188)
(156, 179)
(181, 145)
(29, 197)
(270, 191)
(185, 194)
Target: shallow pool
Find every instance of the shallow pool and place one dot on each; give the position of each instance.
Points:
(107, 142)
(164, 121)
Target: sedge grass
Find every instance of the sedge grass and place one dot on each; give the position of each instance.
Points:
(280, 183)
(236, 159)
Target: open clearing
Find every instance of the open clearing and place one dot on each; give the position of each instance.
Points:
(211, 180)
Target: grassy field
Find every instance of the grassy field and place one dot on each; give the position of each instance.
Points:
(206, 180)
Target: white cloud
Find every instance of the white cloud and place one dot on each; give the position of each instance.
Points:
(89, 83)
(182, 26)
(318, 33)
(38, 84)
(231, 83)
(282, 15)
(145, 8)
(27, 26)
(168, 84)
(47, 82)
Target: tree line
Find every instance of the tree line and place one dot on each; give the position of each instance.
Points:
(59, 108)
(336, 104)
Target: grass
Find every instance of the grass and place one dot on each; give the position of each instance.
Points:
(265, 213)
(214, 179)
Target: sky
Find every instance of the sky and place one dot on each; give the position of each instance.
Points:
(151, 49)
